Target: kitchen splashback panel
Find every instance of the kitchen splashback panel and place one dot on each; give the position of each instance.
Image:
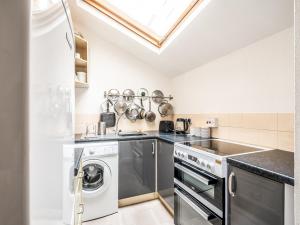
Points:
(275, 130)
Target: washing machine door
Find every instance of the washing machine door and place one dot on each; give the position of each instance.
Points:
(97, 177)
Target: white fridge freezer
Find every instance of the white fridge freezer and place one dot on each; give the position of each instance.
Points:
(51, 109)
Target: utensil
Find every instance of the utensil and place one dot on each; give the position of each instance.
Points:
(103, 128)
(81, 76)
(128, 95)
(113, 95)
(91, 130)
(165, 109)
(120, 107)
(132, 112)
(108, 117)
(142, 111)
(77, 55)
(150, 116)
(143, 92)
(157, 96)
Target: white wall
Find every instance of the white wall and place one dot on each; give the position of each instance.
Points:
(110, 67)
(257, 78)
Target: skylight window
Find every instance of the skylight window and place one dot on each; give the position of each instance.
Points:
(153, 20)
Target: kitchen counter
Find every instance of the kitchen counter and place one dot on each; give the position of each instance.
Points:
(276, 164)
(77, 158)
(171, 138)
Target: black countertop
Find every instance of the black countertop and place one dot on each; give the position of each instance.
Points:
(277, 165)
(171, 138)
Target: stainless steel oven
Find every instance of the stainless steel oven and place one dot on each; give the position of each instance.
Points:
(199, 195)
(189, 211)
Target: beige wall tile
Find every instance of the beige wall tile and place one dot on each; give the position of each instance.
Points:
(235, 119)
(268, 138)
(220, 132)
(285, 122)
(285, 140)
(223, 118)
(249, 136)
(263, 121)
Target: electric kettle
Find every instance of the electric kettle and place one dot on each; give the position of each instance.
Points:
(183, 126)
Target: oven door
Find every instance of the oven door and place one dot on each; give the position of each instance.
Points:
(206, 188)
(189, 211)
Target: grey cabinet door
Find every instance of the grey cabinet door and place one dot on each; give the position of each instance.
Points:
(257, 200)
(136, 168)
(165, 171)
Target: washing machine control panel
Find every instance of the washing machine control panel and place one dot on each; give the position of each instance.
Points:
(100, 150)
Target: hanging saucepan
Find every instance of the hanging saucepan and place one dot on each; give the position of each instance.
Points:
(143, 93)
(113, 95)
(150, 116)
(142, 111)
(165, 109)
(120, 106)
(128, 95)
(157, 96)
(132, 112)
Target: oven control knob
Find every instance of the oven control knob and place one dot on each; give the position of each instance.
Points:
(175, 152)
(203, 163)
(210, 166)
(184, 155)
(198, 162)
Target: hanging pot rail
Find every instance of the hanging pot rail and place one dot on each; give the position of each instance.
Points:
(170, 97)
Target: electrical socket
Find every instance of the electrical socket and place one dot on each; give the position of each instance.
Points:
(212, 122)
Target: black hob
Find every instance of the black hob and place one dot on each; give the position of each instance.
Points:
(221, 148)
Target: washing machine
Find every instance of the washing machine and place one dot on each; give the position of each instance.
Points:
(100, 180)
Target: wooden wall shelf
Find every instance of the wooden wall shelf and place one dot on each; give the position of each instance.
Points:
(81, 61)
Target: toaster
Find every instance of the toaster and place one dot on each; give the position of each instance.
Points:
(166, 126)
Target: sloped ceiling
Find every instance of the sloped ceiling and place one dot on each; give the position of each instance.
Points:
(222, 27)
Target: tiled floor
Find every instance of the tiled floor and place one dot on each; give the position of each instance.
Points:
(148, 213)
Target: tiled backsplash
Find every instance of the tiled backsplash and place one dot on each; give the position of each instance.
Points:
(82, 120)
(275, 130)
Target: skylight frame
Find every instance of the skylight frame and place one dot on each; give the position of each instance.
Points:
(138, 29)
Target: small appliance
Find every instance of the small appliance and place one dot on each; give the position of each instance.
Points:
(200, 170)
(166, 126)
(183, 126)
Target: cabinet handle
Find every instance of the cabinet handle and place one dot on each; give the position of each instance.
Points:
(153, 148)
(230, 190)
(69, 41)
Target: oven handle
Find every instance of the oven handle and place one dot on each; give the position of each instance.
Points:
(195, 175)
(206, 216)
